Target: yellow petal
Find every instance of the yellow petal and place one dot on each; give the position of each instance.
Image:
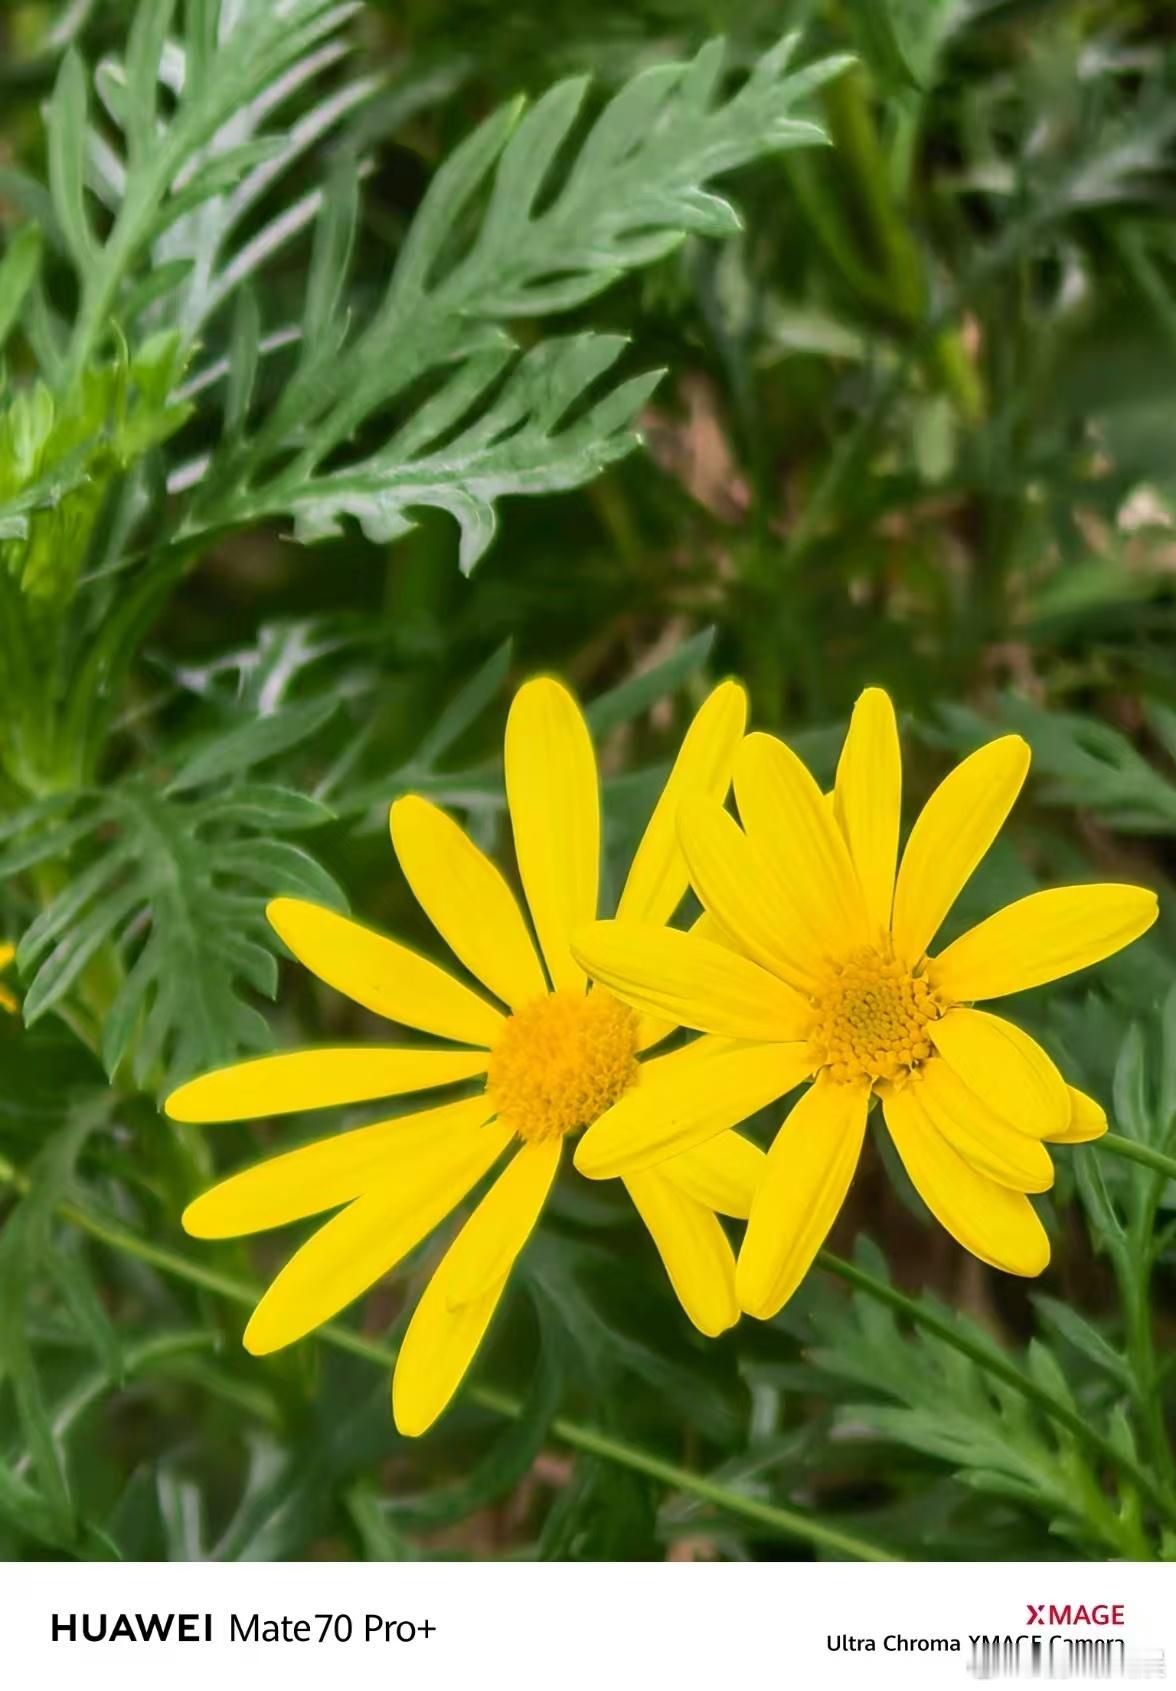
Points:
(359, 1245)
(653, 1029)
(740, 888)
(696, 1252)
(482, 1254)
(955, 828)
(724, 1173)
(467, 900)
(1088, 1120)
(1042, 937)
(414, 1150)
(985, 1139)
(684, 1099)
(1001, 1064)
(383, 976)
(785, 812)
(438, 1348)
(867, 799)
(657, 877)
(810, 1167)
(692, 981)
(7, 953)
(709, 928)
(555, 814)
(311, 1080)
(8, 1001)
(447, 1325)
(995, 1224)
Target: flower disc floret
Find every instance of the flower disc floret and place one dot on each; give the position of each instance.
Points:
(872, 1019)
(561, 1061)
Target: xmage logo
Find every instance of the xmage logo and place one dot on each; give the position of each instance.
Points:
(1074, 1614)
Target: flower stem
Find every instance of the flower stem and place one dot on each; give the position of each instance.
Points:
(1134, 1263)
(1134, 1152)
(789, 1523)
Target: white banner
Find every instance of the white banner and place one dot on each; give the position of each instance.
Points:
(563, 1626)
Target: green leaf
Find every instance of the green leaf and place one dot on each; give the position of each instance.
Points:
(923, 1393)
(18, 271)
(331, 257)
(902, 39)
(517, 445)
(632, 698)
(464, 709)
(1085, 763)
(550, 236)
(1077, 1331)
(223, 756)
(29, 1257)
(66, 124)
(176, 882)
(145, 45)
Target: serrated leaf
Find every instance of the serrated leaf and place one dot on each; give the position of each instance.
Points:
(517, 446)
(177, 881)
(548, 238)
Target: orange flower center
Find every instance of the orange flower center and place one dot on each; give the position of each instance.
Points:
(871, 1020)
(561, 1061)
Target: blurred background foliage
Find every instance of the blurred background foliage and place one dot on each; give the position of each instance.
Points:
(915, 429)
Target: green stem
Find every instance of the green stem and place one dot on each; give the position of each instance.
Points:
(789, 1522)
(1145, 1374)
(1133, 1270)
(888, 233)
(1134, 1152)
(854, 134)
(1007, 1370)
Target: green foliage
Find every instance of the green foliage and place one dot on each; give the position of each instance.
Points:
(57, 459)
(295, 303)
(925, 1393)
(36, 1495)
(493, 423)
(1088, 763)
(173, 879)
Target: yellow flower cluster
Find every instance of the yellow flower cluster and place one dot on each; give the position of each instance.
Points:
(812, 962)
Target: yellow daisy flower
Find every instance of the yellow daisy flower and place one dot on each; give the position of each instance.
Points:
(553, 1060)
(816, 957)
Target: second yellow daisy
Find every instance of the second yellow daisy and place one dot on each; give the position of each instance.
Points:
(814, 956)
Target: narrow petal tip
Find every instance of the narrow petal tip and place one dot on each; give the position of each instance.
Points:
(255, 1339)
(410, 1419)
(190, 1219)
(591, 1162)
(751, 1296)
(733, 693)
(875, 696)
(279, 912)
(402, 810)
(201, 1219)
(176, 1105)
